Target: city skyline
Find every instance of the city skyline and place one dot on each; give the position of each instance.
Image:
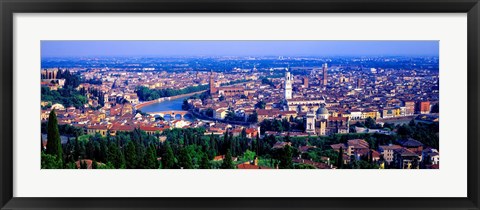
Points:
(98, 48)
(240, 112)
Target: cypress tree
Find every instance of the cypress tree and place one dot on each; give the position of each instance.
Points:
(227, 161)
(258, 145)
(184, 159)
(214, 145)
(90, 149)
(131, 155)
(186, 140)
(150, 158)
(113, 155)
(76, 153)
(204, 162)
(54, 145)
(286, 158)
(244, 133)
(98, 151)
(168, 158)
(287, 138)
(340, 158)
(230, 140)
(123, 162)
(225, 143)
(103, 151)
(69, 152)
(141, 152)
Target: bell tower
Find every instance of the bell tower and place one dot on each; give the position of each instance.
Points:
(325, 68)
(288, 84)
(213, 90)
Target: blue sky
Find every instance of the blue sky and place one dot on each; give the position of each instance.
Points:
(237, 48)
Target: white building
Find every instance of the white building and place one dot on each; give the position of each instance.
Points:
(355, 115)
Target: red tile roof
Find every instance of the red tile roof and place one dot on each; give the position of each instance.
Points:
(249, 166)
(98, 127)
(150, 128)
(119, 127)
(358, 143)
(375, 154)
(337, 146)
(88, 161)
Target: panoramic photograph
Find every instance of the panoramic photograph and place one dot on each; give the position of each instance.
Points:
(239, 104)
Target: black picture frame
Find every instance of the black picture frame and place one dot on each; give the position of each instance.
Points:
(10, 7)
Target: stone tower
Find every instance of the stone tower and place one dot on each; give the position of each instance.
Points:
(213, 90)
(325, 67)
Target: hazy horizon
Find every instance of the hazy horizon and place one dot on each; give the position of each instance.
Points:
(174, 48)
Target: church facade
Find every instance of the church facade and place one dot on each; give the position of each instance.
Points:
(318, 120)
(321, 123)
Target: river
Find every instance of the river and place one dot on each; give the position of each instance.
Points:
(167, 105)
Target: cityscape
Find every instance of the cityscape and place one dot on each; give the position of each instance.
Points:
(239, 105)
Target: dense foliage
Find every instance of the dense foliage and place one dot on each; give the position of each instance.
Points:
(231, 116)
(371, 123)
(266, 81)
(252, 118)
(66, 96)
(146, 94)
(71, 80)
(281, 125)
(423, 132)
(69, 95)
(191, 148)
(435, 108)
(65, 130)
(50, 161)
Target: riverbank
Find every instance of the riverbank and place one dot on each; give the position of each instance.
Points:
(146, 103)
(203, 117)
(397, 120)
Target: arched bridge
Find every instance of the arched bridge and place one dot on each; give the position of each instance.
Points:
(173, 113)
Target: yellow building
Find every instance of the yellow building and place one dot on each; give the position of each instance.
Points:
(220, 113)
(391, 112)
(101, 129)
(369, 113)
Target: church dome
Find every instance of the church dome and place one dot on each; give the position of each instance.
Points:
(322, 110)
